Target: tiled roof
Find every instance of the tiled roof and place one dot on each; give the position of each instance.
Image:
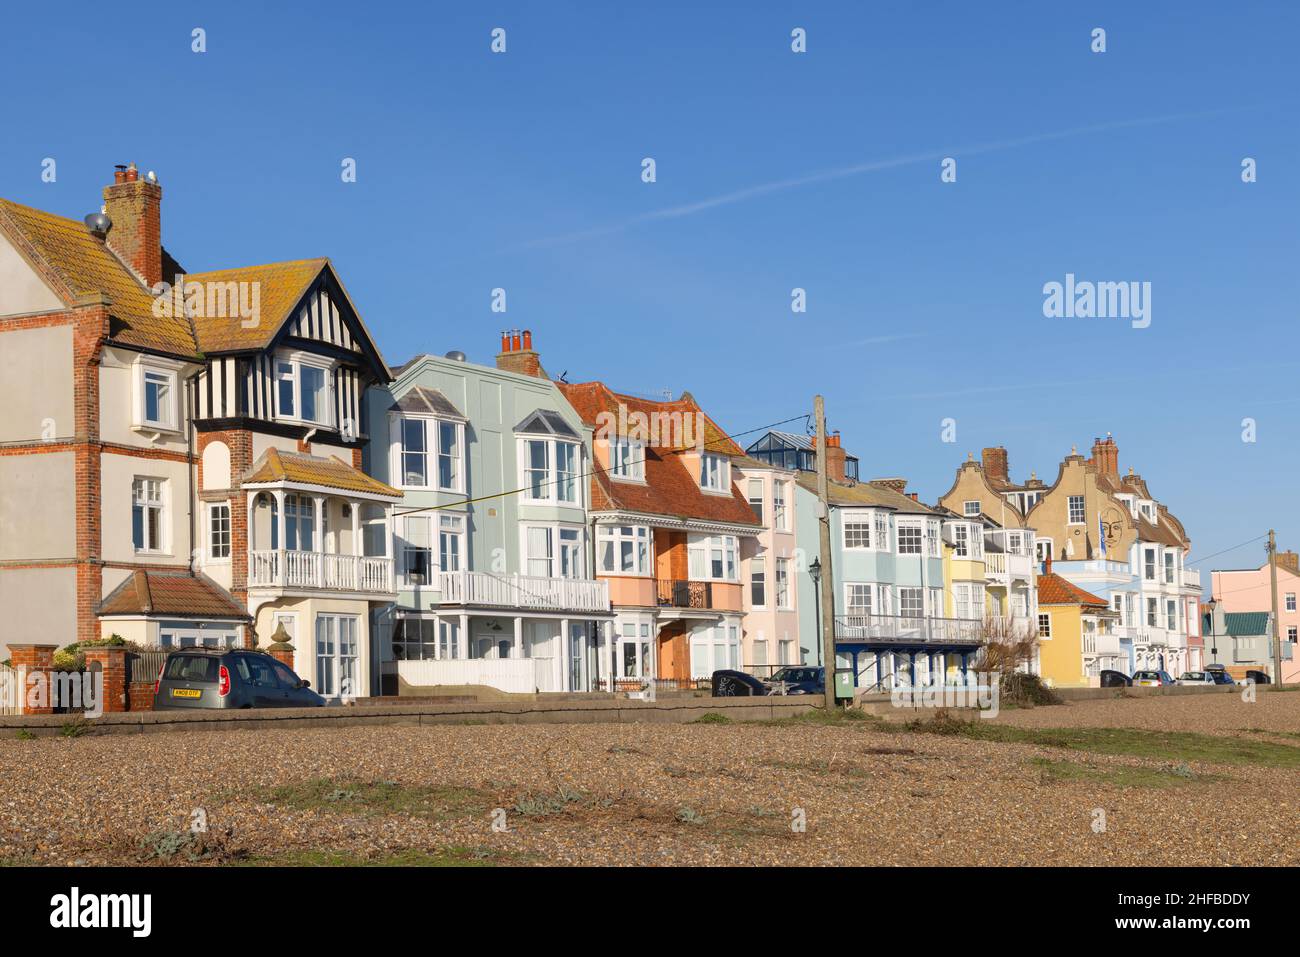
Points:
(670, 489)
(171, 593)
(280, 287)
(421, 400)
(1055, 590)
(1158, 532)
(277, 466)
(545, 422)
(865, 495)
(87, 266)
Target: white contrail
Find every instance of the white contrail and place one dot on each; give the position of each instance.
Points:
(726, 199)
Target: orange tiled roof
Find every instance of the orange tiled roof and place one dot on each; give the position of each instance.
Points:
(171, 593)
(87, 266)
(669, 488)
(333, 472)
(281, 286)
(1055, 590)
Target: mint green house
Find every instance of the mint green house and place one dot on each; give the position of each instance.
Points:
(491, 540)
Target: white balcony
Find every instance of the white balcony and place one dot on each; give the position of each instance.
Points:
(904, 630)
(487, 590)
(283, 568)
(1002, 568)
(1100, 643)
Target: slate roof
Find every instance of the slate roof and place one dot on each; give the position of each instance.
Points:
(866, 495)
(421, 400)
(670, 488)
(546, 422)
(277, 466)
(175, 594)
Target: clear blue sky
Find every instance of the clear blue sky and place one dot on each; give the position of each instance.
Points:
(522, 171)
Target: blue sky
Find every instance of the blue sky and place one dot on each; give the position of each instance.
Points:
(522, 171)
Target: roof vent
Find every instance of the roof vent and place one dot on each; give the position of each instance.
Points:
(456, 355)
(98, 223)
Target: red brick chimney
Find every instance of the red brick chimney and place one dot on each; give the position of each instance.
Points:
(134, 206)
(517, 354)
(994, 461)
(1289, 560)
(1105, 455)
(835, 458)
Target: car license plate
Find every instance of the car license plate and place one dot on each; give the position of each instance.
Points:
(186, 693)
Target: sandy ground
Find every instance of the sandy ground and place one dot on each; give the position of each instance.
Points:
(668, 794)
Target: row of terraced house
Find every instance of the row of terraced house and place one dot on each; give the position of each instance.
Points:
(180, 469)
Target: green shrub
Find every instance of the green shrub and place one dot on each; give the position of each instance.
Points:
(1017, 688)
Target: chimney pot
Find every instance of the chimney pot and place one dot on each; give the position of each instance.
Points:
(119, 173)
(528, 340)
(505, 342)
(515, 344)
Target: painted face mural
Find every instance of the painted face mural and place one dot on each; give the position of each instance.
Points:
(1112, 524)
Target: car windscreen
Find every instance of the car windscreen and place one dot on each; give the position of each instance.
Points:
(1146, 674)
(191, 668)
(1194, 676)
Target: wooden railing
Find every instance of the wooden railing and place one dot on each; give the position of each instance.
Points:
(523, 591)
(674, 593)
(286, 568)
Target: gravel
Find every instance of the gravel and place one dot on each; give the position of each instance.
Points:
(666, 794)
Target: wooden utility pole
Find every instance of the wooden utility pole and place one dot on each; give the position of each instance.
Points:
(1277, 629)
(827, 610)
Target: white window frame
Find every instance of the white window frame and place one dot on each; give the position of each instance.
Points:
(626, 459)
(433, 452)
(858, 518)
(760, 499)
(966, 508)
(296, 361)
(1069, 510)
(780, 505)
(715, 473)
(641, 542)
(170, 420)
(783, 591)
(1290, 601)
(1044, 626)
(1042, 549)
(724, 637)
(700, 554)
(557, 545)
(550, 479)
(333, 686)
(141, 484)
(910, 524)
(758, 575)
(853, 607)
(210, 509)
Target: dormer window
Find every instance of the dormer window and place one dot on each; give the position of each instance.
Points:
(302, 389)
(157, 397)
(627, 459)
(715, 473)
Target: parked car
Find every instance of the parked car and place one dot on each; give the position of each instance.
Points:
(1259, 677)
(799, 679)
(1152, 679)
(1115, 679)
(1196, 678)
(737, 684)
(229, 678)
(1219, 674)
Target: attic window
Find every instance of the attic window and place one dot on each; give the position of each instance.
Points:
(715, 473)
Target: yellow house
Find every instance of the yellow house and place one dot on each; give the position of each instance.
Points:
(1076, 641)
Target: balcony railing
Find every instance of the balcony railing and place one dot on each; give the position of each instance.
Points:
(286, 568)
(1001, 566)
(906, 630)
(671, 593)
(1100, 643)
(523, 591)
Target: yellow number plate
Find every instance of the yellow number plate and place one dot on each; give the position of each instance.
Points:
(186, 693)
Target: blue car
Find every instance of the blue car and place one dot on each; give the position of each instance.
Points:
(798, 679)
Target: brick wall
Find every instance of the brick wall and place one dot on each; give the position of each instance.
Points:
(90, 331)
(111, 662)
(239, 442)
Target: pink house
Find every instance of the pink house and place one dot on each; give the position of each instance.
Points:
(1249, 589)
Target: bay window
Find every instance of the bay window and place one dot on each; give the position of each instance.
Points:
(417, 549)
(302, 388)
(553, 551)
(911, 602)
(623, 549)
(550, 468)
(909, 537)
(711, 557)
(857, 529)
(299, 523)
(427, 453)
(713, 649)
(336, 655)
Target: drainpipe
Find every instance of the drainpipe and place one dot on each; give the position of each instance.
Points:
(191, 477)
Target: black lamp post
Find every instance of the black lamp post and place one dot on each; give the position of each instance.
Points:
(815, 573)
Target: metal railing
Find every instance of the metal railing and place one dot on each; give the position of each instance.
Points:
(288, 568)
(672, 593)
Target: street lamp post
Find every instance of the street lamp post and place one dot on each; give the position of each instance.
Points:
(815, 573)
